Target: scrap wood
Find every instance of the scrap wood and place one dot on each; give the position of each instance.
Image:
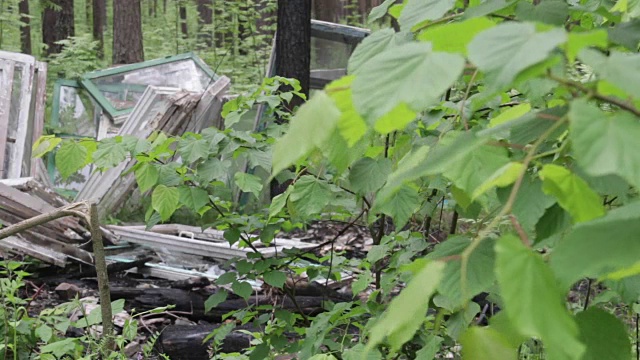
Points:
(208, 243)
(16, 206)
(186, 112)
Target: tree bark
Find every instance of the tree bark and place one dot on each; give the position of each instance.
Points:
(57, 25)
(205, 17)
(326, 10)
(127, 32)
(293, 43)
(25, 30)
(99, 16)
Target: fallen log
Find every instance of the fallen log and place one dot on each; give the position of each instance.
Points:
(191, 304)
(184, 342)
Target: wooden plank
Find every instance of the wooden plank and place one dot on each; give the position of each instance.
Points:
(183, 111)
(17, 57)
(6, 89)
(17, 155)
(38, 118)
(194, 246)
(19, 245)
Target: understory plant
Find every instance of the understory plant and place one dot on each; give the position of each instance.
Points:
(518, 120)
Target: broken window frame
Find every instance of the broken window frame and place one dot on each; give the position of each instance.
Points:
(30, 118)
(87, 80)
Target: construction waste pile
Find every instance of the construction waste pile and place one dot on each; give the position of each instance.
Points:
(175, 95)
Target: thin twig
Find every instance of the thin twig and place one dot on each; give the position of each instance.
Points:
(520, 231)
(576, 85)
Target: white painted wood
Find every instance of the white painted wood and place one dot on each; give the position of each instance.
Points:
(214, 249)
(38, 117)
(6, 89)
(17, 155)
(17, 57)
(19, 245)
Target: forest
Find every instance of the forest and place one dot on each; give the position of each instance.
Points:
(325, 180)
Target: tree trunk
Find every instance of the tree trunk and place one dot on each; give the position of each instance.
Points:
(25, 30)
(183, 22)
(99, 15)
(326, 10)
(57, 25)
(205, 18)
(127, 32)
(293, 43)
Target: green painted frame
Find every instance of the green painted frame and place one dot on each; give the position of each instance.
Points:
(94, 91)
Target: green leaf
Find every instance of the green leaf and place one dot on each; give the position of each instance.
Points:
(554, 12)
(70, 158)
(430, 349)
(147, 176)
(470, 171)
(479, 275)
(213, 169)
(486, 343)
(60, 348)
(605, 335)
(275, 278)
(533, 301)
(242, 289)
(620, 69)
(248, 183)
(44, 144)
(405, 203)
(530, 204)
(488, 7)
(626, 34)
(110, 153)
(351, 126)
(368, 175)
(388, 79)
(417, 11)
(580, 40)
(454, 37)
(573, 193)
(226, 278)
(598, 247)
(44, 332)
(512, 113)
(605, 143)
(396, 119)
(374, 44)
(514, 47)
(454, 147)
(216, 299)
(407, 311)
(380, 11)
(165, 200)
(310, 195)
(460, 320)
(191, 149)
(312, 125)
(193, 198)
(504, 176)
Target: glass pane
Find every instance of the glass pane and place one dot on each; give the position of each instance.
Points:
(75, 114)
(124, 90)
(328, 54)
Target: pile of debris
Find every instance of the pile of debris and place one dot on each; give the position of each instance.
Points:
(174, 95)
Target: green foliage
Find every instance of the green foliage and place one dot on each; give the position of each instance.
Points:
(519, 119)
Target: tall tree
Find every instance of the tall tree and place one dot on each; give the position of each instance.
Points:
(57, 24)
(99, 17)
(25, 29)
(127, 32)
(293, 54)
(183, 21)
(293, 43)
(205, 18)
(327, 10)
